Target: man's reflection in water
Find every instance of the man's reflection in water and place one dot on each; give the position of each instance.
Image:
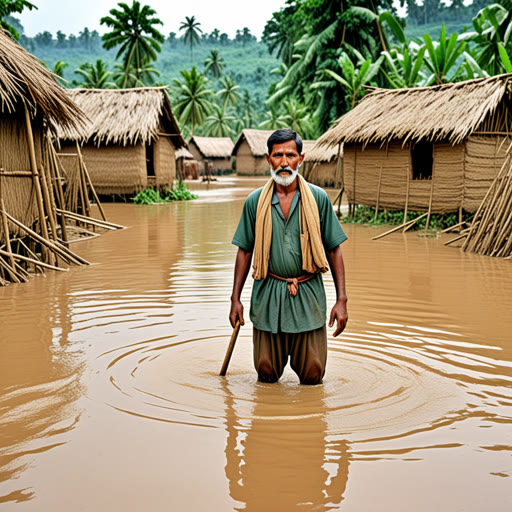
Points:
(279, 458)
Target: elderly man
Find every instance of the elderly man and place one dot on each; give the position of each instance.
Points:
(287, 225)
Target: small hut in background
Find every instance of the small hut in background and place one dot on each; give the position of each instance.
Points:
(249, 151)
(186, 166)
(321, 165)
(33, 206)
(435, 149)
(213, 154)
(131, 141)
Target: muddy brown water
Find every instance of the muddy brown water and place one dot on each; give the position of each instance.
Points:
(110, 397)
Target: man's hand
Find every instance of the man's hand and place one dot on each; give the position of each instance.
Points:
(236, 312)
(339, 313)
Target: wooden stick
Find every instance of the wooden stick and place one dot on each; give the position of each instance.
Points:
(231, 346)
(91, 186)
(431, 195)
(453, 227)
(15, 278)
(97, 222)
(456, 238)
(35, 262)
(396, 228)
(407, 196)
(6, 230)
(378, 194)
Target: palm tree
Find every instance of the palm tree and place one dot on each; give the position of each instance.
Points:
(218, 123)
(58, 70)
(214, 64)
(132, 77)
(230, 92)
(246, 109)
(191, 28)
(94, 76)
(133, 29)
(193, 98)
(273, 120)
(297, 117)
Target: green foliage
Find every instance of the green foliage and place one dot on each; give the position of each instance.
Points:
(8, 7)
(214, 64)
(219, 122)
(147, 196)
(438, 222)
(133, 30)
(179, 192)
(192, 30)
(94, 76)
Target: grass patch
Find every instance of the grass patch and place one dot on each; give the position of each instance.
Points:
(179, 192)
(438, 222)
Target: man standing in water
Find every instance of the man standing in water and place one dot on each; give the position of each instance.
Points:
(287, 225)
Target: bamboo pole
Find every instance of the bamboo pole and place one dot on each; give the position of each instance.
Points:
(48, 203)
(431, 194)
(15, 278)
(32, 255)
(378, 193)
(35, 176)
(100, 223)
(36, 262)
(83, 183)
(396, 228)
(407, 195)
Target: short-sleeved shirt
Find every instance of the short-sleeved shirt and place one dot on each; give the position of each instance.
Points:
(273, 308)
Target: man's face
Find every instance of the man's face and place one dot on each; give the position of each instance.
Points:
(283, 160)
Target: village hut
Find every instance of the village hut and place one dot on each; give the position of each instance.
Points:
(213, 154)
(32, 220)
(186, 166)
(249, 151)
(131, 141)
(321, 165)
(435, 149)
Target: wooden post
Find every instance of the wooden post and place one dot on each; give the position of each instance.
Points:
(6, 231)
(431, 190)
(407, 192)
(35, 179)
(91, 186)
(378, 194)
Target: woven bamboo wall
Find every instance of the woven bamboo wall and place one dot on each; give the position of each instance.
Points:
(484, 157)
(17, 193)
(115, 169)
(362, 170)
(249, 165)
(165, 162)
(321, 174)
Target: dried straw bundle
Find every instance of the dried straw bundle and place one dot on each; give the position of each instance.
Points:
(491, 230)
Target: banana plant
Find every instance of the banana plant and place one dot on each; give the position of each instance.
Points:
(355, 78)
(442, 56)
(403, 68)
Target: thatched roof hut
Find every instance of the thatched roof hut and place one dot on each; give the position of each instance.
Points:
(32, 106)
(249, 150)
(131, 141)
(425, 148)
(213, 151)
(320, 164)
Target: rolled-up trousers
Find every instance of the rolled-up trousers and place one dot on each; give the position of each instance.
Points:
(307, 352)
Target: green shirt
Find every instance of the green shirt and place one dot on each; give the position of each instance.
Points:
(272, 307)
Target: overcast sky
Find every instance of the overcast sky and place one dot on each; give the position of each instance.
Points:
(71, 16)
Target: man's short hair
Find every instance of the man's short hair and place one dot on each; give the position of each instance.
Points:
(284, 135)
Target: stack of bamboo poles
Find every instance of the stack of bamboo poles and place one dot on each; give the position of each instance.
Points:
(43, 244)
(491, 231)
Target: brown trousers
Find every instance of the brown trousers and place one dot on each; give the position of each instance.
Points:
(307, 352)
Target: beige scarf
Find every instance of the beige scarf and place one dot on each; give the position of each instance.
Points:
(313, 255)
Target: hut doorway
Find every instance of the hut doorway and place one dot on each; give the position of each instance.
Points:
(422, 158)
(150, 159)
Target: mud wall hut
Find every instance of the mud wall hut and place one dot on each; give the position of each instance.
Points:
(131, 141)
(249, 151)
(186, 166)
(427, 148)
(212, 151)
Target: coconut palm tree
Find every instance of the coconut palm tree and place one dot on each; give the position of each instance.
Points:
(58, 70)
(193, 98)
(192, 30)
(94, 76)
(230, 92)
(297, 117)
(133, 29)
(218, 123)
(274, 120)
(214, 64)
(140, 77)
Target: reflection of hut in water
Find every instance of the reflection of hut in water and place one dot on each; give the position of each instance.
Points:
(186, 166)
(131, 142)
(32, 105)
(212, 153)
(249, 151)
(427, 148)
(321, 164)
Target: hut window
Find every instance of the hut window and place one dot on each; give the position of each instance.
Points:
(150, 161)
(422, 159)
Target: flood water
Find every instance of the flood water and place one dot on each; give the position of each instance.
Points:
(110, 398)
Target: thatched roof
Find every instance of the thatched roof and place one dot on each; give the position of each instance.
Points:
(213, 147)
(125, 116)
(183, 153)
(448, 112)
(317, 154)
(24, 80)
(257, 140)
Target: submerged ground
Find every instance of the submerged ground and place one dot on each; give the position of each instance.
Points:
(110, 399)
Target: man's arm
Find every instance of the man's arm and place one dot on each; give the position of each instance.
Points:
(339, 310)
(242, 266)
